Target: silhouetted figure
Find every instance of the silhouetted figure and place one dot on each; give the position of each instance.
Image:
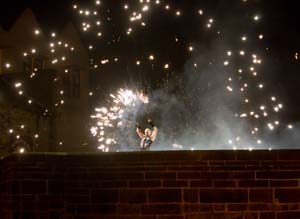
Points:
(148, 137)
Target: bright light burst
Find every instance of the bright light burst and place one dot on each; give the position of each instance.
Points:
(118, 114)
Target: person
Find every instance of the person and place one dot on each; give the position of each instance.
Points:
(148, 137)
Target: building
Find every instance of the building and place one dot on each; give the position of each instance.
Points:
(46, 78)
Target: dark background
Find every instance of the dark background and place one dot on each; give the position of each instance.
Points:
(279, 24)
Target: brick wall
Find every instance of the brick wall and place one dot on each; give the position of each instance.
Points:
(152, 185)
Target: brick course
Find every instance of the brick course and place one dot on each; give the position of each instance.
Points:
(152, 185)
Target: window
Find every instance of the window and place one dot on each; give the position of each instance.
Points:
(76, 84)
(71, 84)
(32, 63)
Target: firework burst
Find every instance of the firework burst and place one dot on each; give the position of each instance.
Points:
(118, 115)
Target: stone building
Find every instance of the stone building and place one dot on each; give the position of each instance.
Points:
(44, 87)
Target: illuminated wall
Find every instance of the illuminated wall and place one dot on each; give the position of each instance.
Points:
(148, 185)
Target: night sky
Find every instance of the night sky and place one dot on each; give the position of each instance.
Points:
(279, 24)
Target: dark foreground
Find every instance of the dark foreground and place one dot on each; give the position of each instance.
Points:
(152, 185)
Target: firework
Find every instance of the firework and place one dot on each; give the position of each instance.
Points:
(243, 80)
(118, 115)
